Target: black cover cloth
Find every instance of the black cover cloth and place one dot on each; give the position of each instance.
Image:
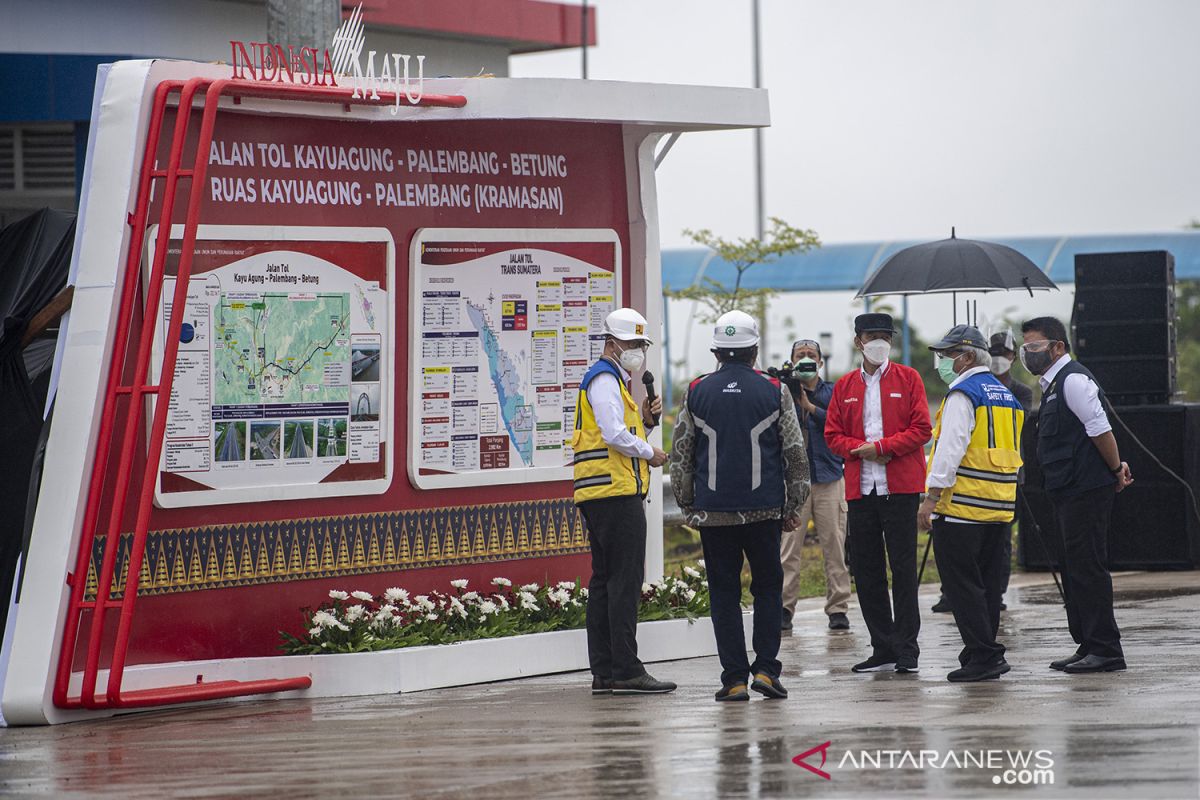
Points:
(35, 256)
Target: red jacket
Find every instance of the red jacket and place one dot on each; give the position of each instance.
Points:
(906, 428)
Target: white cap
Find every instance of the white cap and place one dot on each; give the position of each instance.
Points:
(627, 325)
(734, 330)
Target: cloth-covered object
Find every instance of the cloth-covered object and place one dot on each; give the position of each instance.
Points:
(35, 256)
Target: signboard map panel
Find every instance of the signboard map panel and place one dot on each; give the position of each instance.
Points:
(505, 323)
(281, 381)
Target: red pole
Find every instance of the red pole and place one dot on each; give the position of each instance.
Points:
(134, 412)
(104, 435)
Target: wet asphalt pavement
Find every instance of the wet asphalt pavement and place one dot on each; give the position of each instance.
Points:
(1121, 735)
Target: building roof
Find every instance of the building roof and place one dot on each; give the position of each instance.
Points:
(838, 267)
(524, 26)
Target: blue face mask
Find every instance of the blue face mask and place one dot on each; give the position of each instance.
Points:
(945, 367)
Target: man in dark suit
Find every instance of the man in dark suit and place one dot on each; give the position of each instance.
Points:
(1083, 471)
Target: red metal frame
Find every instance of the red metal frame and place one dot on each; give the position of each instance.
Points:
(137, 391)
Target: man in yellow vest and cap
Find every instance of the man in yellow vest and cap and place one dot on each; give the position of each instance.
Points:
(971, 495)
(612, 476)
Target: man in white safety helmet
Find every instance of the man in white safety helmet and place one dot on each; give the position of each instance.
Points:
(740, 473)
(612, 476)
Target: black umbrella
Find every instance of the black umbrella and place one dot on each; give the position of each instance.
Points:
(955, 265)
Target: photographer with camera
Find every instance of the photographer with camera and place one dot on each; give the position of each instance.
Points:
(826, 503)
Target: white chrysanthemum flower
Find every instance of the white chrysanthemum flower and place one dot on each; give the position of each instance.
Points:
(460, 583)
(701, 563)
(501, 582)
(323, 619)
(559, 596)
(424, 603)
(366, 597)
(529, 601)
(583, 592)
(568, 585)
(646, 588)
(488, 607)
(315, 630)
(396, 595)
(470, 597)
(431, 617)
(458, 608)
(529, 587)
(355, 612)
(338, 595)
(689, 595)
(689, 571)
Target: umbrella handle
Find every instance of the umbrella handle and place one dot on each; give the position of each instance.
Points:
(1028, 288)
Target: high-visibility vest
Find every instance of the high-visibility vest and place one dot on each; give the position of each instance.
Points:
(601, 471)
(985, 486)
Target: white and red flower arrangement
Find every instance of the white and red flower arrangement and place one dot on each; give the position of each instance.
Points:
(355, 622)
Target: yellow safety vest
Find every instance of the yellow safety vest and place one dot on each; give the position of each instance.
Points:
(601, 471)
(985, 487)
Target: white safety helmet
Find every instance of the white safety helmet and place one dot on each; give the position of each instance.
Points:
(734, 330)
(627, 325)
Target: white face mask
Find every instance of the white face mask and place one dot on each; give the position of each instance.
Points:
(1001, 365)
(633, 359)
(877, 350)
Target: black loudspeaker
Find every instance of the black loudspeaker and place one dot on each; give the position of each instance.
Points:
(1153, 525)
(1124, 323)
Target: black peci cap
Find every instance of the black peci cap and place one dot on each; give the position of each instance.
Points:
(961, 335)
(868, 323)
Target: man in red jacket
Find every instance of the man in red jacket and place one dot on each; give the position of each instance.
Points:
(878, 421)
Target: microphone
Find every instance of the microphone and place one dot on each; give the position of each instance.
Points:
(648, 381)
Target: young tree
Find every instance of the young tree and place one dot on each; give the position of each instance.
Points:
(717, 298)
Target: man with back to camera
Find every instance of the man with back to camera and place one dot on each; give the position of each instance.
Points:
(739, 472)
(971, 495)
(1082, 472)
(878, 421)
(826, 503)
(612, 475)
(1002, 349)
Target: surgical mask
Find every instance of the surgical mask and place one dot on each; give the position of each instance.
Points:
(633, 359)
(945, 367)
(806, 367)
(1001, 365)
(1036, 361)
(877, 350)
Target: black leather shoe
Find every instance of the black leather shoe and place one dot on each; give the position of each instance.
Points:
(942, 606)
(769, 687)
(601, 685)
(1062, 663)
(734, 693)
(839, 622)
(642, 684)
(971, 674)
(1094, 663)
(786, 625)
(875, 664)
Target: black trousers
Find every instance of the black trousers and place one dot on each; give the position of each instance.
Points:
(876, 523)
(617, 534)
(724, 547)
(1082, 522)
(972, 562)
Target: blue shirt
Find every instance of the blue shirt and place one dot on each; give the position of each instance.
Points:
(825, 466)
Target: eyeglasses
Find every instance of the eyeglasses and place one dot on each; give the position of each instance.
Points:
(1040, 346)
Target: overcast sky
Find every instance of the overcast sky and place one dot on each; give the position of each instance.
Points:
(896, 120)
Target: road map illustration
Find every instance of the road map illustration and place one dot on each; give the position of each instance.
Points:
(281, 348)
(283, 372)
(506, 331)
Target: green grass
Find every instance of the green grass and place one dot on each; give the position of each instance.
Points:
(682, 547)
